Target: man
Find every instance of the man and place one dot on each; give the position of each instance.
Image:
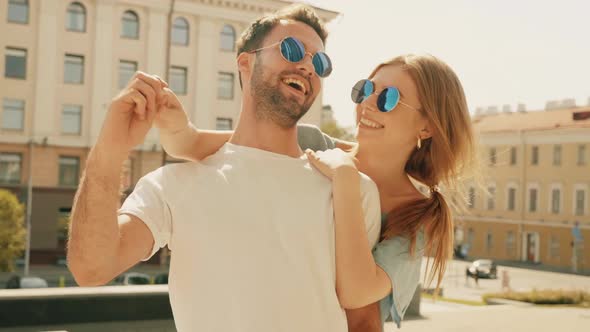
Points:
(251, 227)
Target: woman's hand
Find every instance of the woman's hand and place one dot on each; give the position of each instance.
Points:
(333, 162)
(171, 117)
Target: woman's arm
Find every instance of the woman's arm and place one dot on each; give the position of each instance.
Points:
(179, 137)
(194, 144)
(359, 281)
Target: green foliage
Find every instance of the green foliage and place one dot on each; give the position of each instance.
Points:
(12, 231)
(552, 297)
(331, 128)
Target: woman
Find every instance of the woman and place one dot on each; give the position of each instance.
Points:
(412, 122)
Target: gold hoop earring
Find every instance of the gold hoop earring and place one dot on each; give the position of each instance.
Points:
(419, 145)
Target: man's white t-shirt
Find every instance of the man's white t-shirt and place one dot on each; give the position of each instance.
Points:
(252, 240)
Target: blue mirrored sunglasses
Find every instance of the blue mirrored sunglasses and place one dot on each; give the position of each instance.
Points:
(293, 51)
(387, 99)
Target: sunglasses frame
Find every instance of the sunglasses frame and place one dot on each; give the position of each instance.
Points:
(304, 54)
(399, 99)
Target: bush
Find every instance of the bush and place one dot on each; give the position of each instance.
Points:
(12, 231)
(552, 297)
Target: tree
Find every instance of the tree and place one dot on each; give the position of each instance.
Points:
(12, 230)
(334, 130)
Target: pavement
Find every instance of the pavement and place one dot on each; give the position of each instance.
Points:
(456, 286)
(450, 317)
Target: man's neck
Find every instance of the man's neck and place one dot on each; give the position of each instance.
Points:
(265, 135)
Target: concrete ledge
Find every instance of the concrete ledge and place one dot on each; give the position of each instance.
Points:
(30, 307)
(496, 301)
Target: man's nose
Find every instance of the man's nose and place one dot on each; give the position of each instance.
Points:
(306, 64)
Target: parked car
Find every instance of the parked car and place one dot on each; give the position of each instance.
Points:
(16, 282)
(132, 278)
(485, 268)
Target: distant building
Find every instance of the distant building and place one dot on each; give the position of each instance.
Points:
(63, 61)
(536, 208)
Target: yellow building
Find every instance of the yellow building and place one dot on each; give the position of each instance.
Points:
(63, 61)
(538, 183)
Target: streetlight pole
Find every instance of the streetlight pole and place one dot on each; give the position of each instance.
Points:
(29, 208)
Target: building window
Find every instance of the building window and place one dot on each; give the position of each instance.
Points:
(126, 71)
(10, 168)
(510, 243)
(15, 63)
(76, 17)
(511, 199)
(513, 155)
(489, 241)
(470, 237)
(492, 156)
(18, 11)
(557, 155)
(13, 114)
(74, 69)
(228, 38)
(581, 154)
(130, 25)
(491, 198)
(180, 31)
(554, 247)
(580, 198)
(535, 155)
(178, 80)
(223, 124)
(533, 192)
(71, 119)
(69, 168)
(555, 201)
(471, 198)
(225, 86)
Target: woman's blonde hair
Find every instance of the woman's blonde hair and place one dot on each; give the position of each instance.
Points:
(441, 161)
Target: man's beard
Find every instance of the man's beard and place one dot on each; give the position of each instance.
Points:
(271, 103)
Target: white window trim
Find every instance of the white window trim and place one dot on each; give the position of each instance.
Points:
(487, 196)
(511, 185)
(584, 187)
(550, 197)
(532, 185)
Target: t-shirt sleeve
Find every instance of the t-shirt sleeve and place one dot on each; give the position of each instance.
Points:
(147, 203)
(371, 209)
(393, 256)
(311, 137)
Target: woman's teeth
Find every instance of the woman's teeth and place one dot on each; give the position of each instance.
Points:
(370, 123)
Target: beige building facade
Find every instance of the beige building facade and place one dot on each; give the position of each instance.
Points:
(63, 61)
(534, 206)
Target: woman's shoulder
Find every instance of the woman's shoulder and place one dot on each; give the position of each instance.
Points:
(311, 137)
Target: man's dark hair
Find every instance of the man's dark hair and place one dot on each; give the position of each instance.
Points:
(253, 37)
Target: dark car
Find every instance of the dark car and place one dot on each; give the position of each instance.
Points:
(485, 268)
(16, 282)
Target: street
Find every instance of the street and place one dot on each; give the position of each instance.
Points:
(455, 286)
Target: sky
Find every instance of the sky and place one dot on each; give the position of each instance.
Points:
(504, 51)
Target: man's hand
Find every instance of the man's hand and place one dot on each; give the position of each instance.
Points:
(131, 114)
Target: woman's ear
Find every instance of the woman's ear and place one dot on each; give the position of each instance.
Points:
(426, 131)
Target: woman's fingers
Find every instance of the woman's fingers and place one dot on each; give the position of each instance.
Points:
(140, 103)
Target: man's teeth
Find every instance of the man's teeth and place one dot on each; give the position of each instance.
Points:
(297, 82)
(370, 123)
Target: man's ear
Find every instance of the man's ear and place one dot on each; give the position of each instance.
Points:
(245, 61)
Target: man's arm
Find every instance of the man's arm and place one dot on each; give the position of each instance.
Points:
(101, 244)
